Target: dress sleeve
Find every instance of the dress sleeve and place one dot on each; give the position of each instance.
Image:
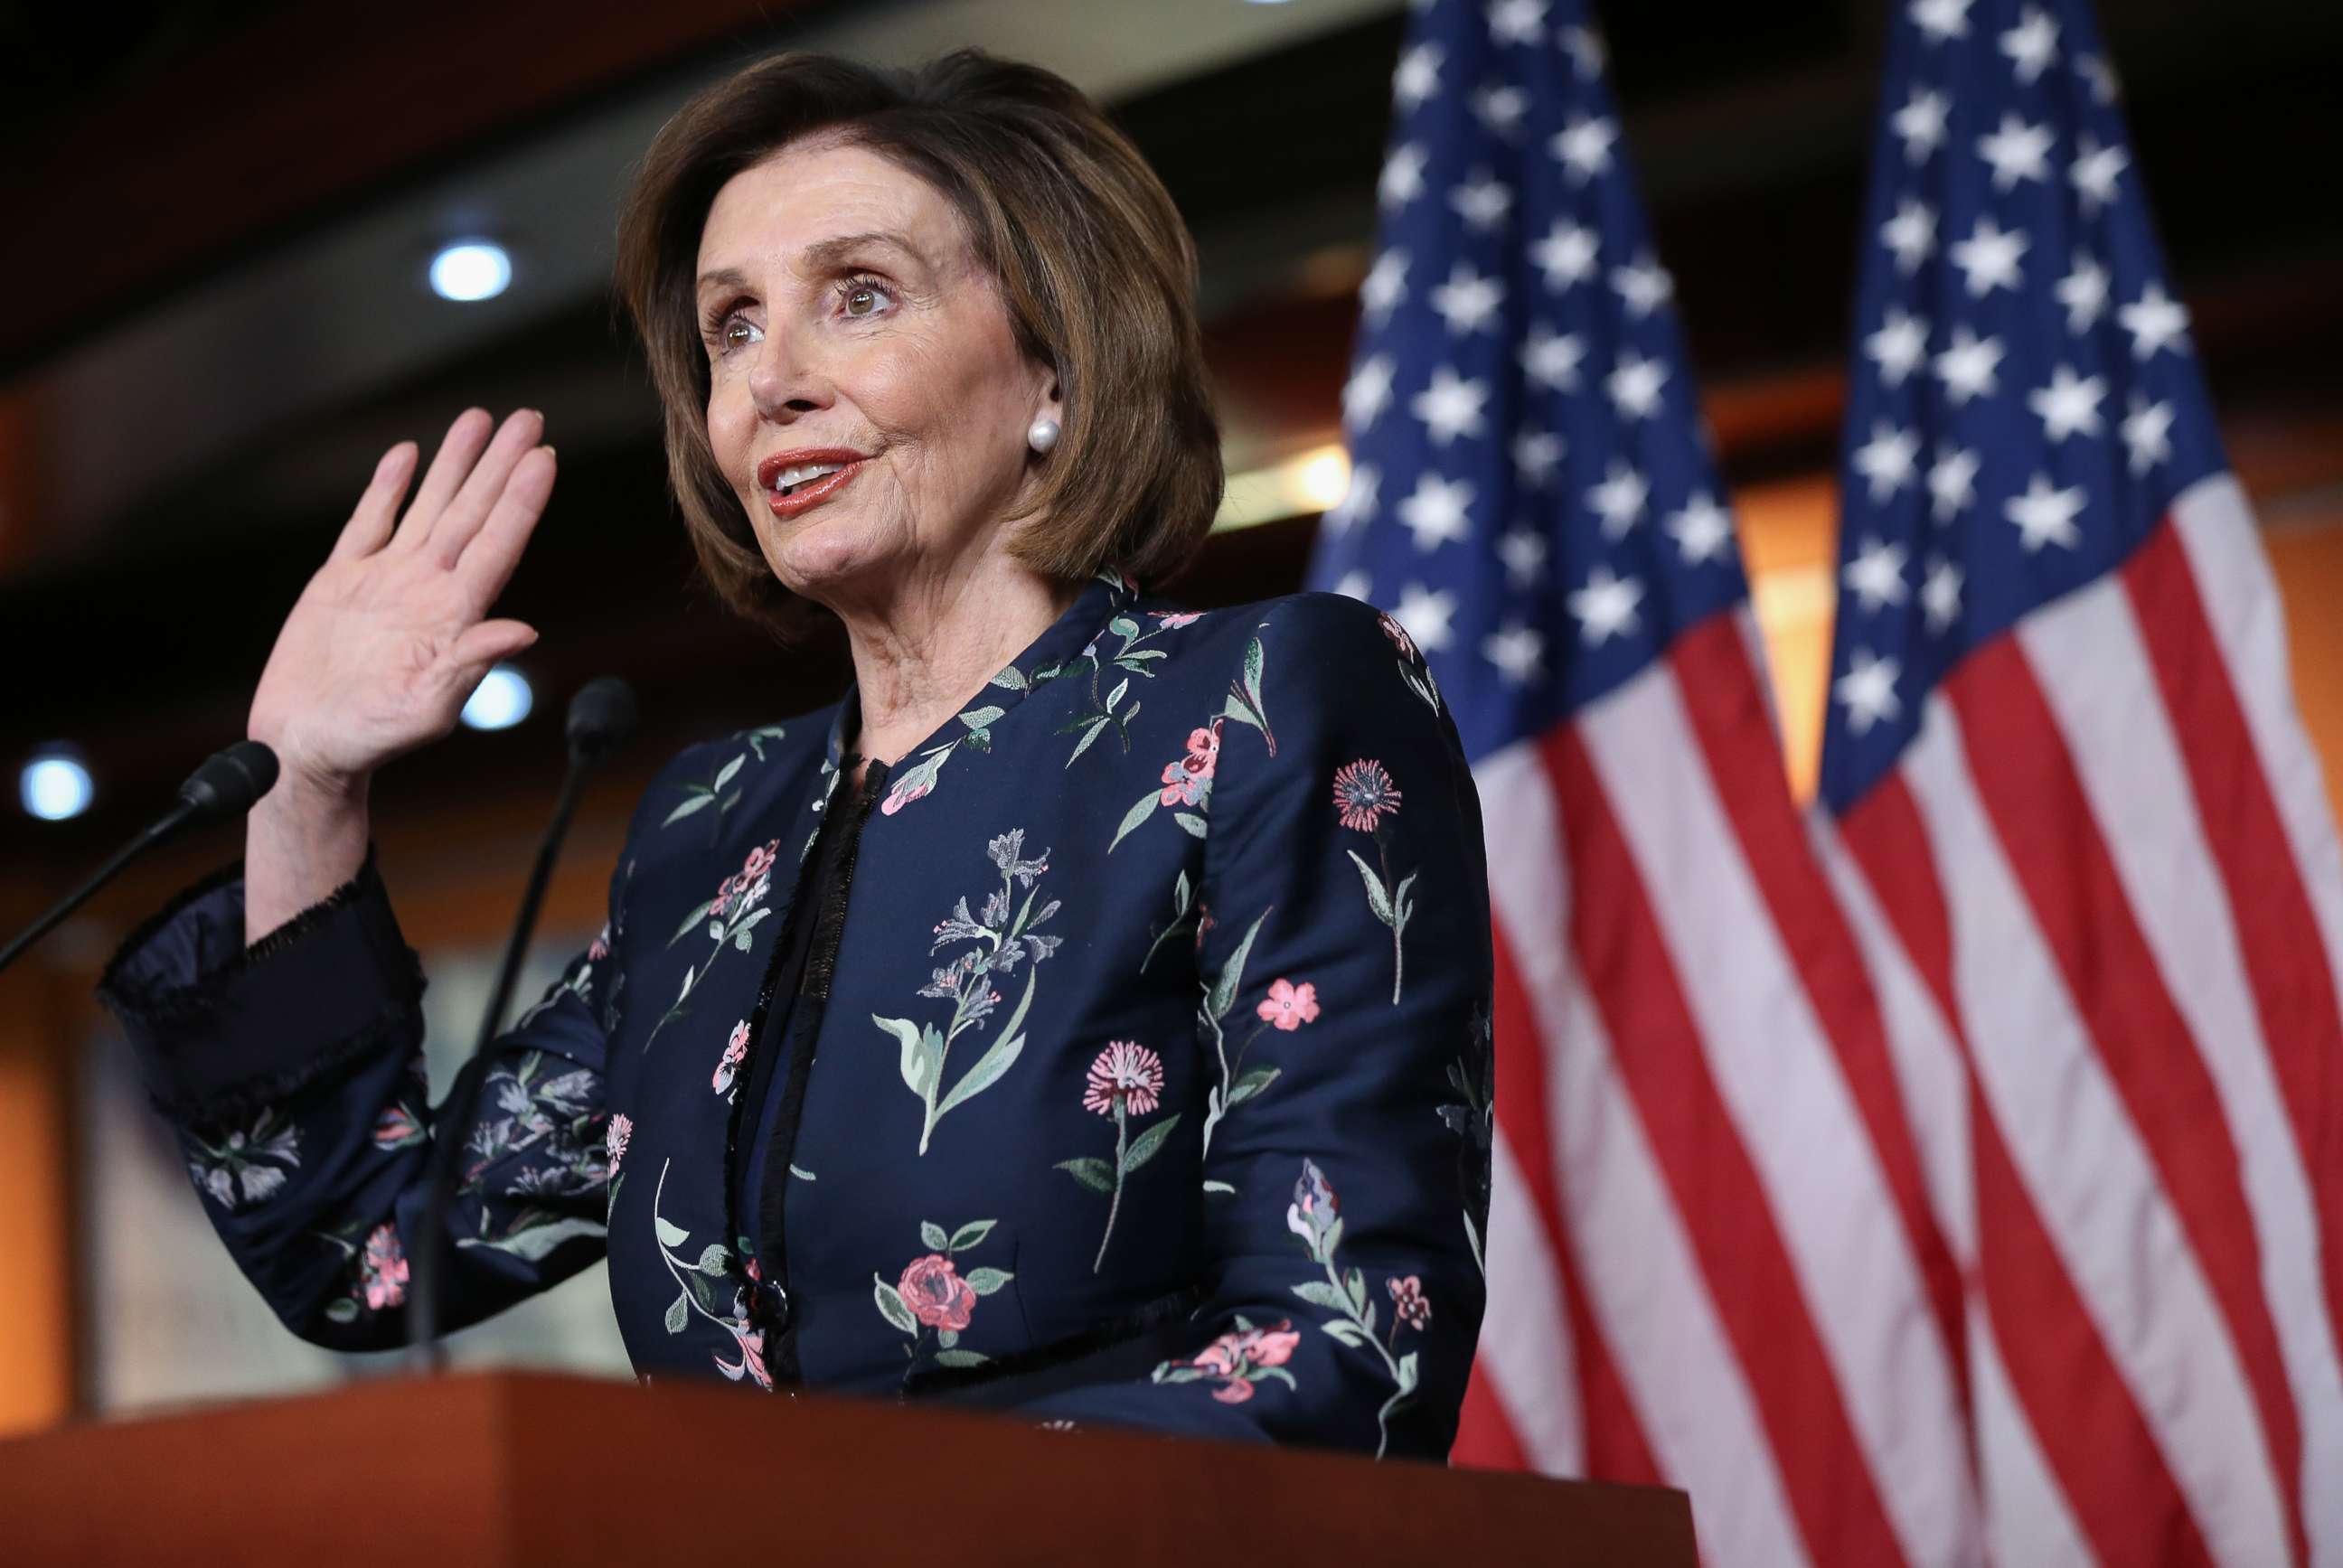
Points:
(1345, 1033)
(293, 1074)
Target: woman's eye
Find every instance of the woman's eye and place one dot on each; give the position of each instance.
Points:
(738, 332)
(863, 297)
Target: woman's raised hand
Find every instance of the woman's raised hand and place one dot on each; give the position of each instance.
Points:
(388, 640)
(383, 648)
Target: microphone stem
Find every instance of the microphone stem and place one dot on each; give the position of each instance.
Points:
(432, 1248)
(156, 833)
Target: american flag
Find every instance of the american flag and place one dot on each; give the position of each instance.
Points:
(1713, 1259)
(2082, 839)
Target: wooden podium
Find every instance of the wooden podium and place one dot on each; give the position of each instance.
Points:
(523, 1468)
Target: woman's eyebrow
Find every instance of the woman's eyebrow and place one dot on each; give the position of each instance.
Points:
(825, 253)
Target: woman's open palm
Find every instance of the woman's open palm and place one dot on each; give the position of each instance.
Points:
(388, 640)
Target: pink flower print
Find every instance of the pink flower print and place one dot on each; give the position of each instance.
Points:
(382, 1269)
(1234, 1357)
(622, 1127)
(723, 896)
(1398, 635)
(601, 947)
(760, 861)
(1409, 1304)
(736, 1051)
(1363, 795)
(752, 1363)
(898, 799)
(1184, 780)
(1290, 1005)
(1127, 1070)
(1205, 921)
(932, 1287)
(397, 1127)
(1173, 619)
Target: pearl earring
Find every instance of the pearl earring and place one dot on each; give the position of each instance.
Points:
(1042, 434)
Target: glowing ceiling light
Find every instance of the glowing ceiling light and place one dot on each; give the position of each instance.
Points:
(501, 701)
(55, 786)
(471, 269)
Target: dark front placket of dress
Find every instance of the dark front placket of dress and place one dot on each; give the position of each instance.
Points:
(787, 1022)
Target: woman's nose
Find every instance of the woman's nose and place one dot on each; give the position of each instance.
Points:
(784, 381)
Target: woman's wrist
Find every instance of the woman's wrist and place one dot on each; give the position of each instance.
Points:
(304, 839)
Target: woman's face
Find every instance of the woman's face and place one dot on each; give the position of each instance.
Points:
(850, 327)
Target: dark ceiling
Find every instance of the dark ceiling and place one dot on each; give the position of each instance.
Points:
(1748, 124)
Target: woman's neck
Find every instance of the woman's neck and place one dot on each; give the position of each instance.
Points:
(923, 655)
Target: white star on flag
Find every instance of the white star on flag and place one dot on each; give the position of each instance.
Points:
(1435, 512)
(1423, 614)
(1988, 258)
(1517, 21)
(1535, 455)
(1868, 691)
(1467, 301)
(1941, 20)
(1876, 576)
(1358, 502)
(1501, 108)
(1483, 203)
(2068, 405)
(1887, 459)
(1550, 360)
(1967, 367)
(1402, 176)
(2093, 171)
(1952, 483)
(1940, 596)
(1619, 499)
(1383, 288)
(1355, 584)
(2017, 152)
(1911, 234)
(2148, 432)
(2083, 293)
(1518, 651)
(1921, 122)
(1702, 530)
(2046, 514)
(1524, 553)
(2033, 45)
(1634, 384)
(2095, 70)
(1606, 607)
(1644, 287)
(1585, 47)
(1566, 255)
(1417, 77)
(1900, 346)
(1450, 407)
(2154, 321)
(1367, 393)
(1583, 145)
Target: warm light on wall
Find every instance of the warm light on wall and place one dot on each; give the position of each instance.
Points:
(1310, 481)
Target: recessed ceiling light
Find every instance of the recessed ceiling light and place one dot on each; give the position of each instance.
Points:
(54, 786)
(471, 269)
(500, 701)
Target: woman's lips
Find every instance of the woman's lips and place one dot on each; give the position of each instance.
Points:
(812, 493)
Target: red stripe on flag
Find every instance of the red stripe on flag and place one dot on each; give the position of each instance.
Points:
(2082, 1412)
(1736, 730)
(1716, 1186)
(1614, 1443)
(2032, 795)
(1485, 1437)
(2285, 960)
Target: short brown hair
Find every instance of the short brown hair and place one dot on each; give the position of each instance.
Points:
(1092, 260)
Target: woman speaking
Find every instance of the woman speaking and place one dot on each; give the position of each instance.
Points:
(1087, 1015)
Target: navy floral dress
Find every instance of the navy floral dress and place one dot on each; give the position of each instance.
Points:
(1142, 1076)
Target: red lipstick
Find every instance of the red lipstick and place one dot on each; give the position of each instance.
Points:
(807, 494)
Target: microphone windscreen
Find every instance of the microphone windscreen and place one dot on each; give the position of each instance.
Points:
(602, 716)
(230, 781)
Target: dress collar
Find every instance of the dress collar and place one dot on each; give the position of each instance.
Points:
(1103, 597)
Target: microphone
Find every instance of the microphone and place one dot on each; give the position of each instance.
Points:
(602, 716)
(227, 785)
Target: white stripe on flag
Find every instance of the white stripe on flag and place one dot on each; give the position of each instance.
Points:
(1781, 1085)
(2081, 1159)
(2029, 1524)
(1525, 1347)
(2093, 670)
(1646, 1295)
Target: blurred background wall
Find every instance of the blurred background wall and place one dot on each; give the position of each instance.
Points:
(215, 314)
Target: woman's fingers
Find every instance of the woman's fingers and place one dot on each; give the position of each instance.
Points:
(496, 546)
(481, 646)
(377, 510)
(462, 517)
(461, 447)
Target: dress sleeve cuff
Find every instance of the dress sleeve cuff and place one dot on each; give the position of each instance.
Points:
(221, 1030)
